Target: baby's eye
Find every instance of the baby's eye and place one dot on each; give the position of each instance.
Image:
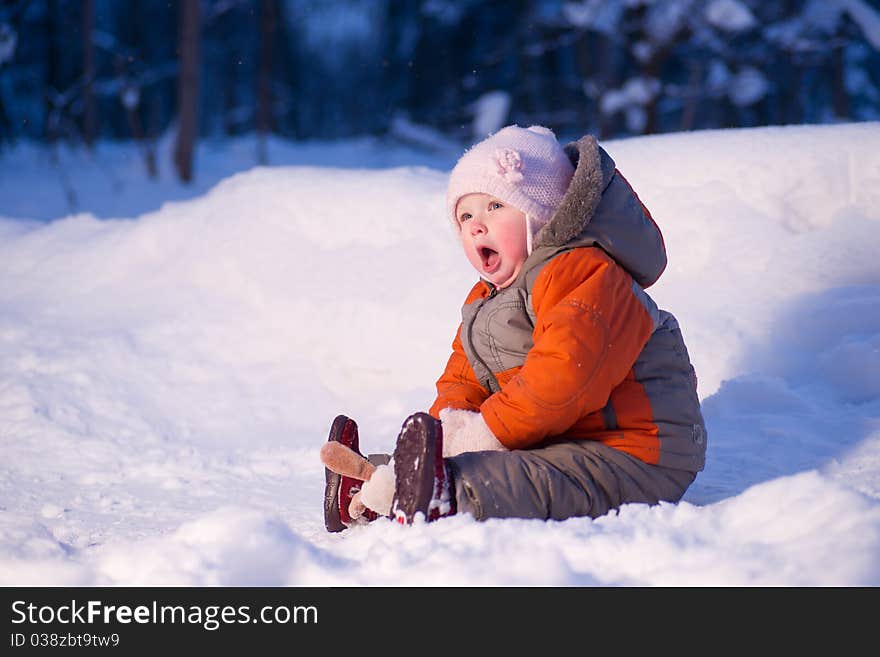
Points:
(494, 205)
(464, 217)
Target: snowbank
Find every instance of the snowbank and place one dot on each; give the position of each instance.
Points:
(166, 380)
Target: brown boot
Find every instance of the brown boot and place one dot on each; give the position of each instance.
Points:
(344, 481)
(422, 482)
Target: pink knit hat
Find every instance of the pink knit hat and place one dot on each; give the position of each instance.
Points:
(525, 167)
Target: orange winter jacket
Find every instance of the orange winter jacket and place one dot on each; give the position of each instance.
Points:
(575, 347)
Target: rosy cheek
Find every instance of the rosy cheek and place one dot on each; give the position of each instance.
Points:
(468, 248)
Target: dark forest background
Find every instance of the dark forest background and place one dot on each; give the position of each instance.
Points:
(82, 70)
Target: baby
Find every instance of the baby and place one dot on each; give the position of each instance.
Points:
(568, 391)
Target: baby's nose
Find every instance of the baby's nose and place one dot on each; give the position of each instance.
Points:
(477, 227)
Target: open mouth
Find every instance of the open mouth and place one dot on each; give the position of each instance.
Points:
(490, 259)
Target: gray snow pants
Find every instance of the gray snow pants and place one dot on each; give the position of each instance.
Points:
(559, 481)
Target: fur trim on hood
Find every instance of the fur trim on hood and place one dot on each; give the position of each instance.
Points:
(601, 209)
(583, 196)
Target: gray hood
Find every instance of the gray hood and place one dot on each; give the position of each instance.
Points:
(601, 209)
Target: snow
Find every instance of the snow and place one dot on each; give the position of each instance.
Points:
(130, 97)
(748, 87)
(8, 41)
(631, 99)
(825, 17)
(865, 17)
(171, 359)
(729, 15)
(490, 113)
(596, 15)
(329, 32)
(664, 19)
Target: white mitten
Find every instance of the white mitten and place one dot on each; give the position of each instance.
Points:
(378, 492)
(466, 431)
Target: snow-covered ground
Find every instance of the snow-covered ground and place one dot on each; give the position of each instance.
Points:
(169, 370)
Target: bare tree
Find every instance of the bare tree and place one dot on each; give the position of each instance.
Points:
(189, 54)
(130, 97)
(90, 112)
(264, 77)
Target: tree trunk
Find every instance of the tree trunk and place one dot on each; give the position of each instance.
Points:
(90, 114)
(608, 79)
(264, 77)
(189, 47)
(652, 72)
(793, 111)
(691, 98)
(52, 80)
(137, 131)
(840, 95)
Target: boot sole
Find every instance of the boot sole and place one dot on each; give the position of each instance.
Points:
(414, 467)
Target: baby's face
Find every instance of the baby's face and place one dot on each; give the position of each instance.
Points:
(493, 235)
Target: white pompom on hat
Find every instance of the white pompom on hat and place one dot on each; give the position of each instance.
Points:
(525, 167)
